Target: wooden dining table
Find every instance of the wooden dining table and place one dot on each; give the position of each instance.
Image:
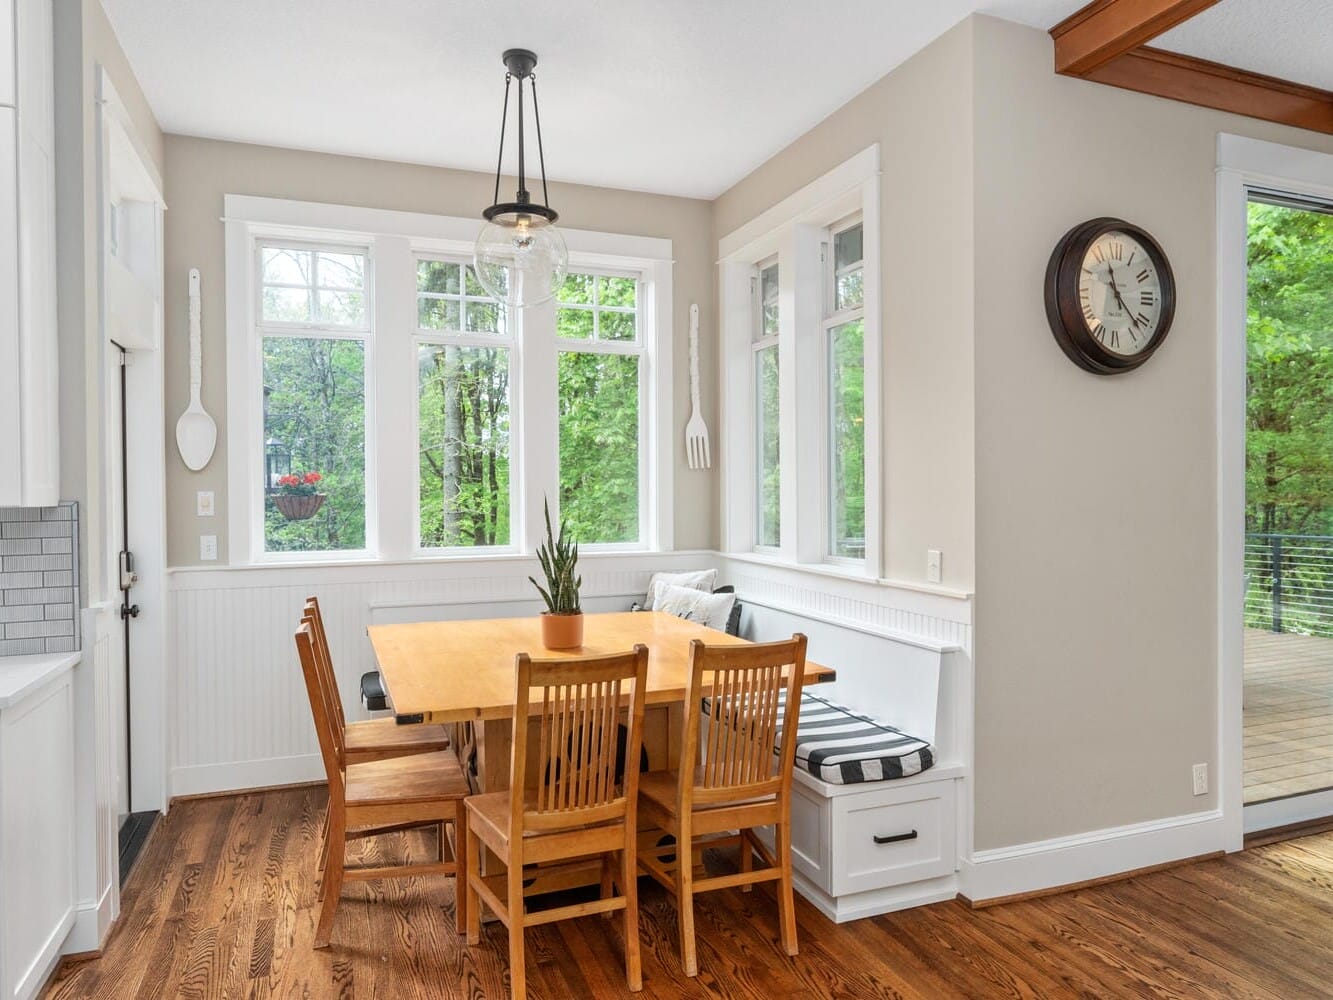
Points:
(463, 672)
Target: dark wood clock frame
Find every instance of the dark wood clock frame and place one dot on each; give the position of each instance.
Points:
(1065, 312)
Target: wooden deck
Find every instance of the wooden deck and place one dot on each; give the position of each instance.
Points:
(1288, 714)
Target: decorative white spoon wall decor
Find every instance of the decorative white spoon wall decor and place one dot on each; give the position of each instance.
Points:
(696, 431)
(196, 433)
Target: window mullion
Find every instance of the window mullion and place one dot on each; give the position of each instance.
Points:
(804, 447)
(538, 419)
(393, 417)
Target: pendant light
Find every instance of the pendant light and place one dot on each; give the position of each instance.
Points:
(520, 258)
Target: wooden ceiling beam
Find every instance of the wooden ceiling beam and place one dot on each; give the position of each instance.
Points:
(1106, 29)
(1223, 88)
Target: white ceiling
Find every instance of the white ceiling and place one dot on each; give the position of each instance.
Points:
(1288, 39)
(674, 96)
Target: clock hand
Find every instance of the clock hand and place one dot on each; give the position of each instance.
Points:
(1110, 273)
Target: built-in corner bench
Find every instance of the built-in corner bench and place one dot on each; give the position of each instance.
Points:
(863, 847)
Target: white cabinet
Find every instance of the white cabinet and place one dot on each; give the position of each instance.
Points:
(29, 411)
(37, 867)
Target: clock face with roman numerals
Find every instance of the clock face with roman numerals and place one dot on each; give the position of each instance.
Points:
(1110, 295)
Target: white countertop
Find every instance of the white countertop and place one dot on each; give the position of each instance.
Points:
(20, 676)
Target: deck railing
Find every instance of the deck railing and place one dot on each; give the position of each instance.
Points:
(1289, 583)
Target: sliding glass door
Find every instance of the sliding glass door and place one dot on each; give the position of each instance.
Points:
(1288, 679)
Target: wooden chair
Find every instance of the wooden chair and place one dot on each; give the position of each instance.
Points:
(741, 784)
(372, 739)
(574, 810)
(379, 796)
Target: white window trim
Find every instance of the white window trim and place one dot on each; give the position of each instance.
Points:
(793, 230)
(395, 238)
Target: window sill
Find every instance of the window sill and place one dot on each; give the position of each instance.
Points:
(857, 574)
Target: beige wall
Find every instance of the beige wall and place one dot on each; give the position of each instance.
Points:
(200, 172)
(1095, 641)
(84, 41)
(921, 115)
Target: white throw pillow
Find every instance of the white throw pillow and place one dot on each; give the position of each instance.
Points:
(703, 579)
(697, 606)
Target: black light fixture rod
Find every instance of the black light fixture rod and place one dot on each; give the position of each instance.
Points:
(499, 163)
(522, 173)
(541, 153)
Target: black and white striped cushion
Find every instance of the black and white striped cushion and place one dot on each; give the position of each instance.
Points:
(837, 745)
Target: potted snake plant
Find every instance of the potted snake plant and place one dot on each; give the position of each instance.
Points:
(562, 621)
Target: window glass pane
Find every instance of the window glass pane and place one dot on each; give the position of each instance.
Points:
(287, 305)
(616, 326)
(284, 266)
(617, 291)
(437, 314)
(599, 445)
(485, 317)
(472, 286)
(847, 471)
(577, 288)
(463, 416)
(847, 247)
(574, 323)
(440, 276)
(768, 298)
(314, 426)
(342, 308)
(768, 471)
(848, 293)
(342, 270)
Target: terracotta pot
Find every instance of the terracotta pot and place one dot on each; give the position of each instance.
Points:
(299, 508)
(562, 631)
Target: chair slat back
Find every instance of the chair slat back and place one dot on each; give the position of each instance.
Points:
(331, 747)
(325, 659)
(746, 718)
(578, 706)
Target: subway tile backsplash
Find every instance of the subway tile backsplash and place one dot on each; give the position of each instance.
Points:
(39, 579)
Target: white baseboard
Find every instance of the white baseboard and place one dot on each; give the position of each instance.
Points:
(873, 902)
(1284, 812)
(92, 923)
(1048, 864)
(202, 779)
(35, 976)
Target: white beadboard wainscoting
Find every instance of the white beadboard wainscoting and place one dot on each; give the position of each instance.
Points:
(241, 716)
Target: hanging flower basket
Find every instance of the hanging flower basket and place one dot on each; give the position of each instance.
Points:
(299, 508)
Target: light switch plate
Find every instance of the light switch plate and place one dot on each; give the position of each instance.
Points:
(204, 503)
(208, 547)
(934, 565)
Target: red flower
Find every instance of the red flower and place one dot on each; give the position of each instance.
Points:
(288, 481)
(310, 478)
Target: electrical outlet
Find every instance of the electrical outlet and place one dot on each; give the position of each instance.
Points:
(934, 565)
(204, 503)
(208, 547)
(1200, 779)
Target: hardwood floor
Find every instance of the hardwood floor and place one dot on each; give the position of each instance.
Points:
(1288, 714)
(223, 904)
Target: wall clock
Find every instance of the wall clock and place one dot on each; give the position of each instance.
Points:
(1110, 295)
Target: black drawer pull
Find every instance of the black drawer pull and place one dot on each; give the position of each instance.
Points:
(895, 838)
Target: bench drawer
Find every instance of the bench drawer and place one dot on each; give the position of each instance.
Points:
(880, 840)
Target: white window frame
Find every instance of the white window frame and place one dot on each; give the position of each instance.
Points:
(510, 342)
(760, 342)
(395, 239)
(797, 230)
(834, 318)
(636, 348)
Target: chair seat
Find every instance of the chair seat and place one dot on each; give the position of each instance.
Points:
(492, 810)
(381, 738)
(660, 788)
(422, 777)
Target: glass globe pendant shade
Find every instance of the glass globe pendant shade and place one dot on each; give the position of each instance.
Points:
(520, 259)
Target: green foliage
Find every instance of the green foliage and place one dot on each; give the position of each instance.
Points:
(1289, 408)
(770, 456)
(315, 408)
(847, 414)
(559, 559)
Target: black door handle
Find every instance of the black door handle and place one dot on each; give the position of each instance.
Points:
(895, 838)
(129, 611)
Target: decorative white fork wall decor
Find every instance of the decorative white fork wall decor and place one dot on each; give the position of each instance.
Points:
(696, 431)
